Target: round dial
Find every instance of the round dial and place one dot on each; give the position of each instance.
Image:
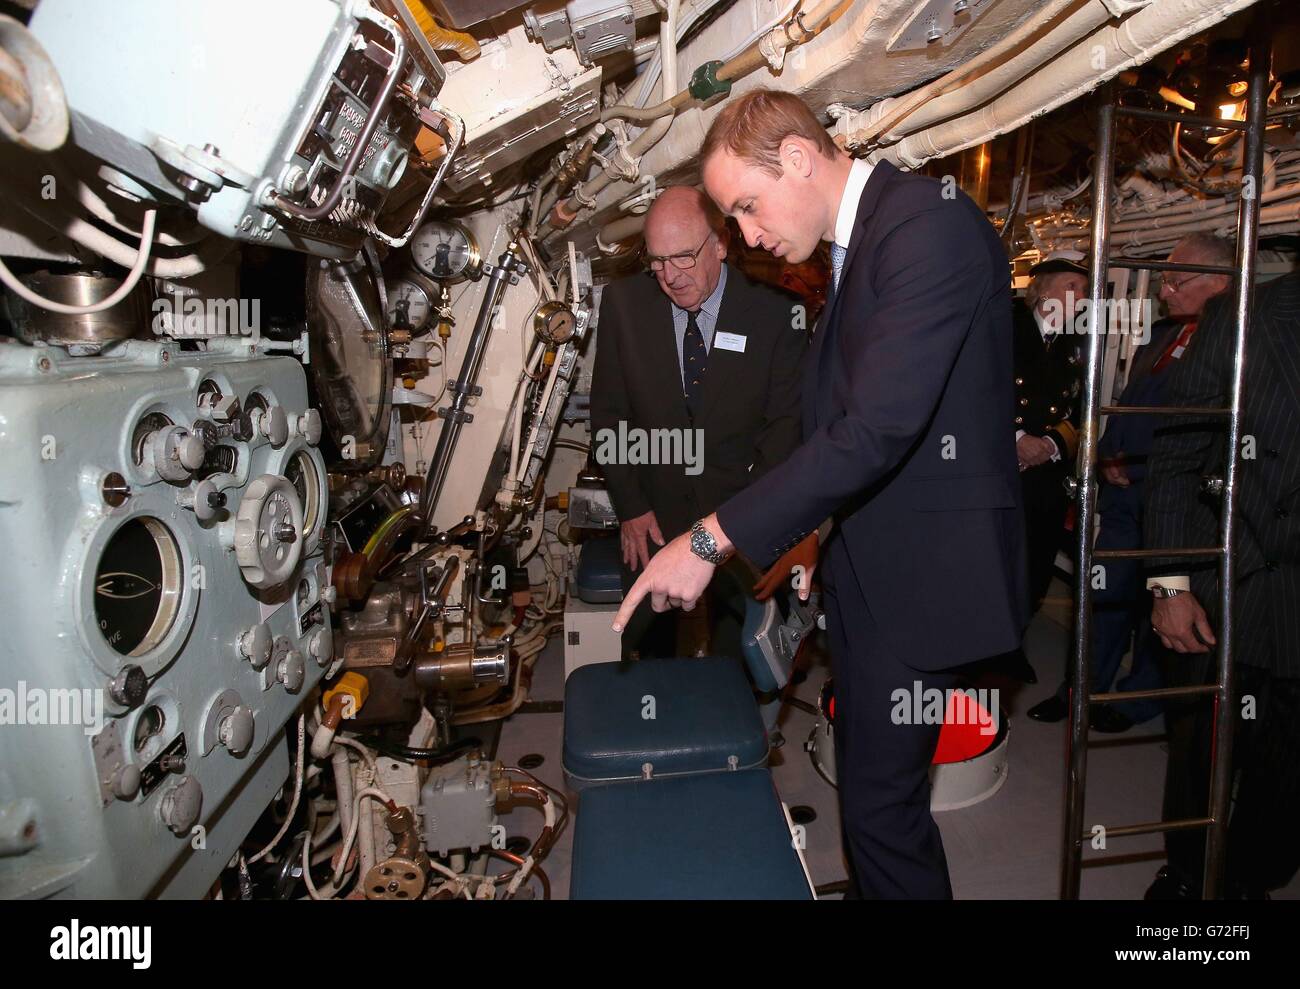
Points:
(445, 251)
(554, 322)
(302, 474)
(138, 586)
(409, 305)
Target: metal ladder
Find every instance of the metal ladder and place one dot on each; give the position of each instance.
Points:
(1084, 484)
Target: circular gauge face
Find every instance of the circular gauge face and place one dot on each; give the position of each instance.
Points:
(302, 474)
(445, 251)
(554, 322)
(409, 306)
(138, 586)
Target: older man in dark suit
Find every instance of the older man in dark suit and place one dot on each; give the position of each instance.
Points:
(1263, 853)
(905, 448)
(698, 352)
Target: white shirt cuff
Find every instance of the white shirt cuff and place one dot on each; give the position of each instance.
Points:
(1175, 582)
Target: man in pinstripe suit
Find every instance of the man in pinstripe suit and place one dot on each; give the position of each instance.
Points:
(1263, 850)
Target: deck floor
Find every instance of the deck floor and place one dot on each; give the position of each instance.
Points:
(1007, 847)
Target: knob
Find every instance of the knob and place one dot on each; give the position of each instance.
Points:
(204, 500)
(307, 426)
(190, 451)
(267, 530)
(255, 645)
(181, 805)
(274, 425)
(236, 731)
(129, 686)
(322, 646)
(292, 671)
(223, 408)
(176, 452)
(125, 783)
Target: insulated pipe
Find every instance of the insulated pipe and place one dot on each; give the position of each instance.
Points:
(942, 98)
(775, 41)
(649, 137)
(1175, 217)
(1134, 41)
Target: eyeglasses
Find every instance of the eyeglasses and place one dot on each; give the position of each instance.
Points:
(682, 262)
(1177, 286)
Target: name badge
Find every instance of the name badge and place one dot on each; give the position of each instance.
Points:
(730, 341)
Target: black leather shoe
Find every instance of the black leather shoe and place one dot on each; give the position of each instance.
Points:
(1049, 711)
(1108, 720)
(1169, 886)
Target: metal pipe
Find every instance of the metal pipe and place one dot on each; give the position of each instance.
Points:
(1247, 237)
(1186, 119)
(1086, 492)
(508, 266)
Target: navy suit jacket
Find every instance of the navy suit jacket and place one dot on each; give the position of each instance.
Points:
(906, 443)
(1132, 435)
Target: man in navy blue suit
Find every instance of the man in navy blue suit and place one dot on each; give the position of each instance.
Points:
(905, 451)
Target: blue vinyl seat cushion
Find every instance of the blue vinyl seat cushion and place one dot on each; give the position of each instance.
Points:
(720, 836)
(599, 578)
(704, 714)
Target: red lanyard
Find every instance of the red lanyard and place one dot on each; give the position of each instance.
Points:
(1175, 350)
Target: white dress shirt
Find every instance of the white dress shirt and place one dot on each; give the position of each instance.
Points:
(848, 214)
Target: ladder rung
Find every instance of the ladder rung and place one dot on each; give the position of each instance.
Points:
(1154, 694)
(1161, 410)
(1186, 119)
(1151, 264)
(1155, 554)
(1155, 827)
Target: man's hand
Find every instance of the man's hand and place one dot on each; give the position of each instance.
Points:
(632, 535)
(1034, 450)
(1114, 472)
(1178, 619)
(804, 555)
(675, 577)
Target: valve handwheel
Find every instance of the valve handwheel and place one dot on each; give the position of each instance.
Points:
(268, 531)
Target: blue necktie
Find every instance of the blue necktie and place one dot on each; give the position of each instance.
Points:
(837, 263)
(695, 361)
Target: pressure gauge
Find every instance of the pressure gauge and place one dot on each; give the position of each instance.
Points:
(554, 322)
(445, 251)
(410, 305)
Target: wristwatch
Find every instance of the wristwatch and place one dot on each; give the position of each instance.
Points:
(1160, 591)
(705, 546)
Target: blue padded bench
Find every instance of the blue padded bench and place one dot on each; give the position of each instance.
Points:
(720, 836)
(706, 720)
(599, 578)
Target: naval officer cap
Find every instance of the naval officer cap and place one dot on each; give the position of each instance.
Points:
(1063, 262)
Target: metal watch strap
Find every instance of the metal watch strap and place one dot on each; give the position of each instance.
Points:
(705, 546)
